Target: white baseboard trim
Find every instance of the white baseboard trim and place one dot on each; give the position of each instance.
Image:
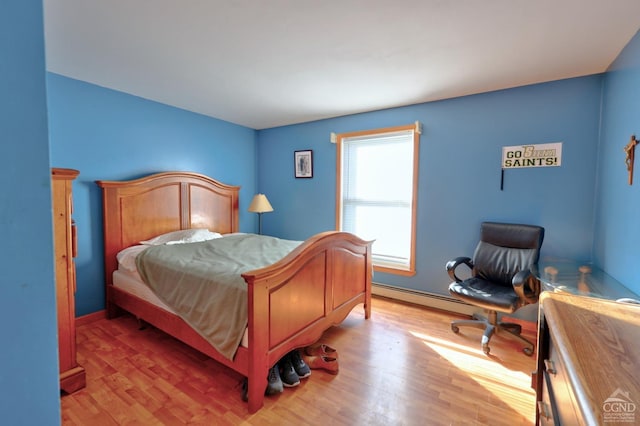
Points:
(423, 298)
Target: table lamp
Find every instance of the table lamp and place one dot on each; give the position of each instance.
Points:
(260, 205)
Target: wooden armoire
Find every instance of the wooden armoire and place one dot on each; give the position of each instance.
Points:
(72, 376)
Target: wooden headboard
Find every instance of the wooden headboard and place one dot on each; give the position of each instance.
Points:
(142, 208)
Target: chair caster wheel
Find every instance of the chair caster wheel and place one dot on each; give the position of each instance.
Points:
(486, 349)
(528, 351)
(455, 328)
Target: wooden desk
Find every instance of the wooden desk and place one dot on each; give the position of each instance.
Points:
(588, 365)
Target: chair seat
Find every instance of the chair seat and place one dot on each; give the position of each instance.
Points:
(485, 294)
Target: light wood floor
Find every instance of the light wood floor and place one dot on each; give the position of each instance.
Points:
(403, 366)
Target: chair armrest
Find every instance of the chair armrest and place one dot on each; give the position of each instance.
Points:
(454, 263)
(526, 295)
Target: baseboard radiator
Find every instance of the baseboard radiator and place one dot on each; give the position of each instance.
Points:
(435, 301)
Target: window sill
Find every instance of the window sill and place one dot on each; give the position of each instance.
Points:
(394, 270)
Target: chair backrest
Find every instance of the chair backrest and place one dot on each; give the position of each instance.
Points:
(505, 249)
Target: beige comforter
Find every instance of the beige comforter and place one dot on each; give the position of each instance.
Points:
(201, 281)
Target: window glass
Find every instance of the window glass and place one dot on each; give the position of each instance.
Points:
(376, 192)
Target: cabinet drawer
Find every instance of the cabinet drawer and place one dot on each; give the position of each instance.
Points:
(560, 391)
(547, 411)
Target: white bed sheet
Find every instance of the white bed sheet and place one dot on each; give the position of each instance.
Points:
(132, 283)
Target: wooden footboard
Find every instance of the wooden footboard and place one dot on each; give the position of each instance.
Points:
(292, 302)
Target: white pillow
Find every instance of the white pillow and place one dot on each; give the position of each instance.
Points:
(181, 237)
(127, 257)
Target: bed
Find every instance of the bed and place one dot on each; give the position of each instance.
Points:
(320, 281)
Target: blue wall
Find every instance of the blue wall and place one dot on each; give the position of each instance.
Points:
(109, 135)
(459, 181)
(29, 354)
(617, 231)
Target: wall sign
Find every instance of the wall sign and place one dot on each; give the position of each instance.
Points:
(540, 155)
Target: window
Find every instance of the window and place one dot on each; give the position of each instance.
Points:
(377, 181)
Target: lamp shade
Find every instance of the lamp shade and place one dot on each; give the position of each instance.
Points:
(260, 204)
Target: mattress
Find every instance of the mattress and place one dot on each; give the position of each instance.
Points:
(131, 283)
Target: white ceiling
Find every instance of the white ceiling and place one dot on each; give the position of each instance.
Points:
(267, 63)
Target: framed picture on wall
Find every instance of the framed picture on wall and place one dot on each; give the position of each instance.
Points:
(303, 163)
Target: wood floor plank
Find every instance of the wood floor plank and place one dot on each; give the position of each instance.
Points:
(403, 366)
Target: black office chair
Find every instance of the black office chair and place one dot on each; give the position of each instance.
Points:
(501, 280)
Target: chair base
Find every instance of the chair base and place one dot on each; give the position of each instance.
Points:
(491, 326)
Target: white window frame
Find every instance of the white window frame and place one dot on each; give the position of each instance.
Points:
(381, 263)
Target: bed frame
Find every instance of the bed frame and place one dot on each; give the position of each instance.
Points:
(291, 303)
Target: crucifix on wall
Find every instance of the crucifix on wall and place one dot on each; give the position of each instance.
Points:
(629, 150)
